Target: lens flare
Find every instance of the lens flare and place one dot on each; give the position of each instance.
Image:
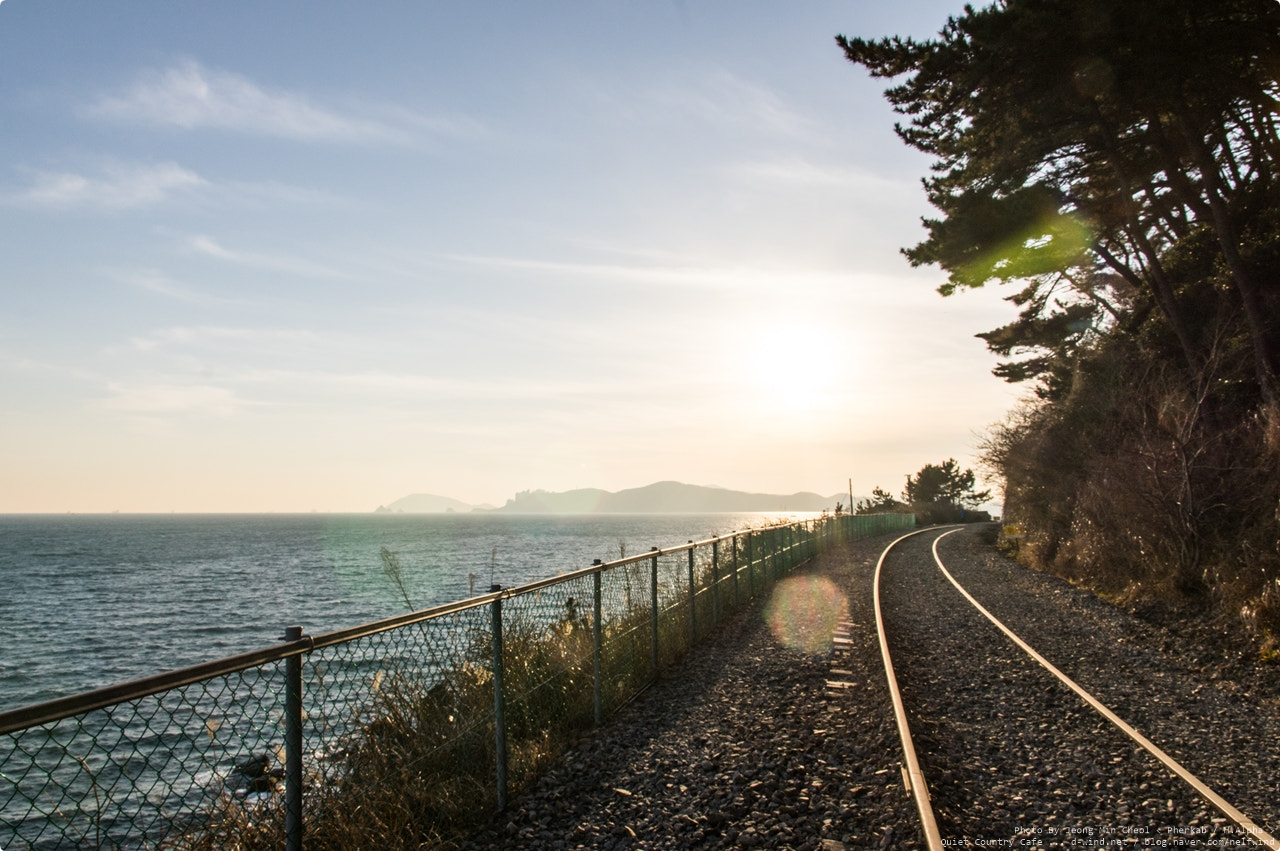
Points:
(804, 611)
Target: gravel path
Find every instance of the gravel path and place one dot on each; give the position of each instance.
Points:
(753, 741)
(742, 745)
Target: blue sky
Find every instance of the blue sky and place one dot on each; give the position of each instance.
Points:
(286, 256)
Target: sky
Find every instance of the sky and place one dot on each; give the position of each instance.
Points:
(291, 257)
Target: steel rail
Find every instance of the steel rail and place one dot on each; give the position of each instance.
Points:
(919, 788)
(1243, 821)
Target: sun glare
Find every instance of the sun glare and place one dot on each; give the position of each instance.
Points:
(798, 364)
(804, 611)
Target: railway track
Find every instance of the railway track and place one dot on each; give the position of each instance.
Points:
(1079, 747)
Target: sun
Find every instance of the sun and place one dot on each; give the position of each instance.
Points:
(797, 366)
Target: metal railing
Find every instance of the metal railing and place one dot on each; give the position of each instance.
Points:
(394, 732)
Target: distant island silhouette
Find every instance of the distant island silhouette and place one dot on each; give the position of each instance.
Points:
(428, 503)
(657, 498)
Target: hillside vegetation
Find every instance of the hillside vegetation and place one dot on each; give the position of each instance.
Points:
(1116, 164)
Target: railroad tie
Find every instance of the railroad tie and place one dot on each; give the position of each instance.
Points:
(840, 679)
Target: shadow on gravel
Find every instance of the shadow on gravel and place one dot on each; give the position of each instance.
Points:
(741, 744)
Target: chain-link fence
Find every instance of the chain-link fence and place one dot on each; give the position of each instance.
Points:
(394, 733)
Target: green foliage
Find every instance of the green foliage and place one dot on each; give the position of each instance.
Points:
(1076, 142)
(1006, 238)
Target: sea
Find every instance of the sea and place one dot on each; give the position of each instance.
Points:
(88, 601)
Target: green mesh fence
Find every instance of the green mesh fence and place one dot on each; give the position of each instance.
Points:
(403, 738)
(142, 772)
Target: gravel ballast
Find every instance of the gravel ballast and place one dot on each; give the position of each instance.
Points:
(756, 741)
(1193, 687)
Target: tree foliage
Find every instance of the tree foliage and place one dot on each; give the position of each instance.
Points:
(881, 502)
(1117, 164)
(944, 483)
(1076, 143)
(937, 493)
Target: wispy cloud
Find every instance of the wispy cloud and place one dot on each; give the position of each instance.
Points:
(670, 275)
(116, 187)
(723, 98)
(210, 247)
(403, 385)
(205, 337)
(800, 172)
(157, 282)
(191, 96)
(701, 276)
(159, 399)
(263, 193)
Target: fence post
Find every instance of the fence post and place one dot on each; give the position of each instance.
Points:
(763, 558)
(693, 608)
(715, 579)
(751, 568)
(499, 704)
(776, 547)
(596, 636)
(770, 557)
(293, 745)
(653, 592)
(734, 541)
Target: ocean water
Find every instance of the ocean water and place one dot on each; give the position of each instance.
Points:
(92, 600)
